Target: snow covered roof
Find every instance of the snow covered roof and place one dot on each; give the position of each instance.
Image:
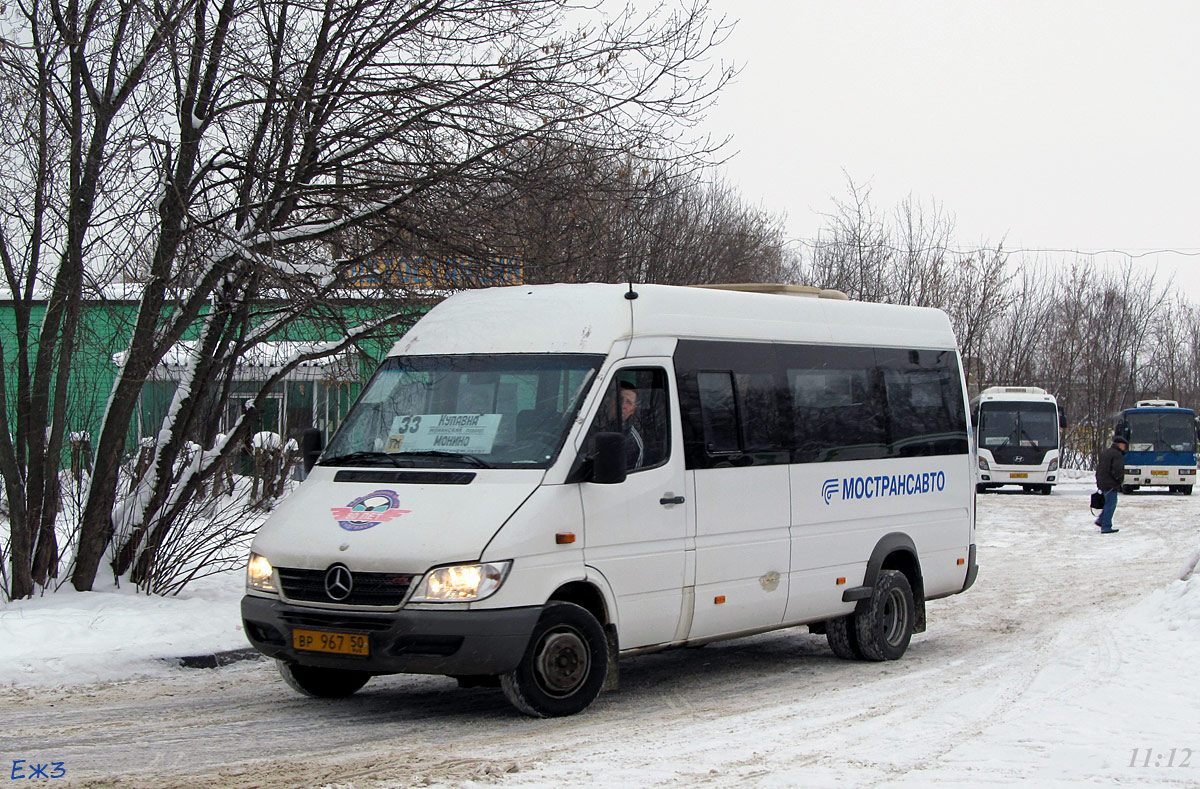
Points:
(261, 360)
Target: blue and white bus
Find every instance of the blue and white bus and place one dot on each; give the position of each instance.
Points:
(1162, 445)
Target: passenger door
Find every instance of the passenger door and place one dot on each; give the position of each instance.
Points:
(742, 544)
(635, 531)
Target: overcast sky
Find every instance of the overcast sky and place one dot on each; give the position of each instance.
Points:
(1045, 125)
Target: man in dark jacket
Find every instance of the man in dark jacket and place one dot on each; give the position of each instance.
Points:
(1110, 475)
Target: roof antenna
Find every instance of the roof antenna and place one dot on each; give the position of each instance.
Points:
(631, 294)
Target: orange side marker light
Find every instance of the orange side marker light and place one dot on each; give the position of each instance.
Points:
(564, 538)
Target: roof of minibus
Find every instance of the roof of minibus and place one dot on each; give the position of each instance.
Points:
(589, 318)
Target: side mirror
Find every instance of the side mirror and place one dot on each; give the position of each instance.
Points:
(608, 465)
(311, 445)
(1062, 419)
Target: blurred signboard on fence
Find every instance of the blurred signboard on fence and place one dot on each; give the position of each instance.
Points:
(435, 273)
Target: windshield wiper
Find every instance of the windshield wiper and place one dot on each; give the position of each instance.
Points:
(438, 453)
(361, 457)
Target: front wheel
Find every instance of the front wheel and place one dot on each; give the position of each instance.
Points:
(322, 683)
(1127, 489)
(886, 625)
(1185, 490)
(564, 666)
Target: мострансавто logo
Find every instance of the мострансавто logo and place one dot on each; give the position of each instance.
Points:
(883, 485)
(369, 510)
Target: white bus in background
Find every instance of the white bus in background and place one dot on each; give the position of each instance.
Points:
(1018, 437)
(485, 511)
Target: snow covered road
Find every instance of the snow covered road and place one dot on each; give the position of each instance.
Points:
(1070, 662)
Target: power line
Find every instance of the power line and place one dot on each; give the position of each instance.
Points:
(1129, 253)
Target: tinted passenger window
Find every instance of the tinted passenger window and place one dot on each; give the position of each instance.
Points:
(924, 402)
(764, 403)
(837, 408)
(718, 412)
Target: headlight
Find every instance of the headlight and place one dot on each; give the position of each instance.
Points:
(260, 574)
(1053, 465)
(461, 582)
(1133, 471)
(1187, 472)
(983, 465)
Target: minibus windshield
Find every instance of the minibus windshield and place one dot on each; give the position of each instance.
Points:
(1162, 432)
(1016, 423)
(465, 410)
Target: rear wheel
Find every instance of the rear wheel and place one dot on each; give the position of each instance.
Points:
(843, 637)
(564, 666)
(886, 625)
(322, 683)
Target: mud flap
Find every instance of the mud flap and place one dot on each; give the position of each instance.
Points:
(612, 678)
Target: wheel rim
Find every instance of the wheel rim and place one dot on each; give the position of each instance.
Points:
(563, 661)
(895, 617)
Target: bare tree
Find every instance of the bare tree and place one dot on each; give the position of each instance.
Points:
(212, 149)
(855, 255)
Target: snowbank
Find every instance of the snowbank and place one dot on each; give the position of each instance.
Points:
(71, 637)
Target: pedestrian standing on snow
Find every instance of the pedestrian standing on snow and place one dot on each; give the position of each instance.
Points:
(1110, 475)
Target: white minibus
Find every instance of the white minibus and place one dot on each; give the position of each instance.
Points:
(1017, 431)
(542, 479)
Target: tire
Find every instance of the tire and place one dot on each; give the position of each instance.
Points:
(843, 637)
(564, 665)
(1046, 490)
(1127, 489)
(886, 624)
(1185, 490)
(322, 683)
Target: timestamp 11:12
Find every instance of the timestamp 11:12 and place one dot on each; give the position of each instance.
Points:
(1146, 757)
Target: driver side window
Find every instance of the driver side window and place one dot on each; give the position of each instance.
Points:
(635, 404)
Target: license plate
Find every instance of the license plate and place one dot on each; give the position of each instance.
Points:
(1159, 473)
(1018, 475)
(337, 643)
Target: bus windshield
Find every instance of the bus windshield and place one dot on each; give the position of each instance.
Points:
(1163, 432)
(1015, 423)
(481, 411)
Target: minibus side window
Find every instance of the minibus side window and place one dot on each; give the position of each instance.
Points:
(718, 412)
(837, 406)
(924, 403)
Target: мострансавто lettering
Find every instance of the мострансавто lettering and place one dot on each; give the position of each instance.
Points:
(893, 485)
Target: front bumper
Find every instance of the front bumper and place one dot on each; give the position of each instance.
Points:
(411, 642)
(1004, 475)
(1159, 479)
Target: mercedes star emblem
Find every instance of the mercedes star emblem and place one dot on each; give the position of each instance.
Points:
(338, 582)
